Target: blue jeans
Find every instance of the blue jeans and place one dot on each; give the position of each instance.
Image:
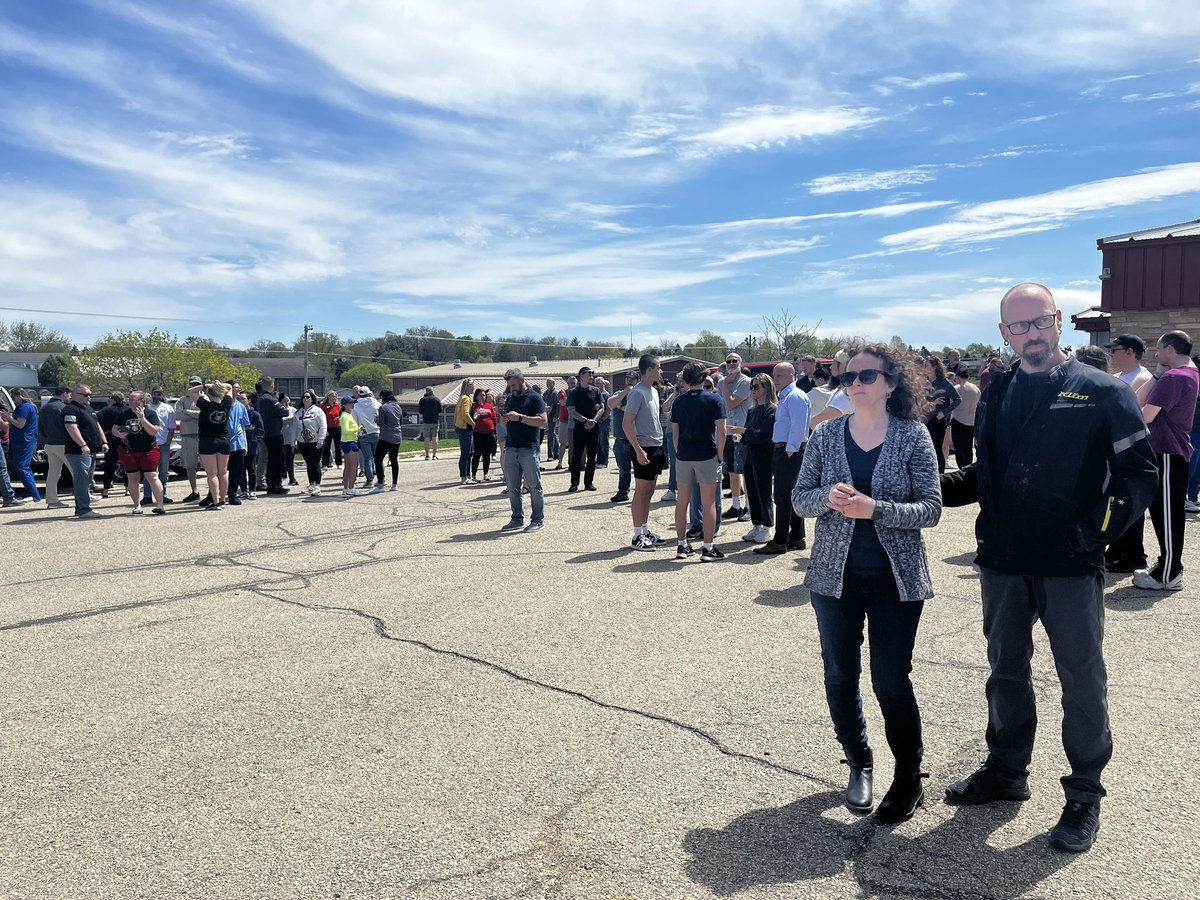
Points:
(367, 444)
(5, 485)
(466, 441)
(892, 625)
(1193, 485)
(623, 451)
(23, 468)
(164, 475)
(523, 464)
(669, 445)
(83, 470)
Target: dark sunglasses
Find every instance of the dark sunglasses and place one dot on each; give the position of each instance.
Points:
(866, 376)
(756, 387)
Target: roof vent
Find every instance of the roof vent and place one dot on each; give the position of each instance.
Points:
(458, 364)
(533, 360)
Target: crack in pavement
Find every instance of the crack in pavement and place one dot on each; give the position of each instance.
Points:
(381, 630)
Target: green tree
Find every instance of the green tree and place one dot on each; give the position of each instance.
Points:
(708, 345)
(30, 337)
(200, 343)
(978, 348)
(55, 370)
(130, 360)
(373, 375)
(466, 349)
(262, 345)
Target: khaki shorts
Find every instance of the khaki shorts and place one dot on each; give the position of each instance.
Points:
(190, 445)
(701, 471)
(564, 432)
(429, 430)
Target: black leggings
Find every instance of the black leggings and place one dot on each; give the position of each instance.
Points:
(312, 461)
(388, 449)
(485, 446)
(937, 431)
(333, 441)
(237, 471)
(289, 461)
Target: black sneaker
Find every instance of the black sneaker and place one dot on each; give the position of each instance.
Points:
(234, 501)
(207, 501)
(683, 551)
(190, 498)
(619, 497)
(694, 532)
(712, 555)
(590, 487)
(987, 784)
(572, 489)
(167, 500)
(735, 514)
(1077, 827)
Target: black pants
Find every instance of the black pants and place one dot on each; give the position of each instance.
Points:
(482, 449)
(962, 438)
(274, 447)
(312, 461)
(390, 450)
(789, 527)
(1130, 547)
(331, 453)
(937, 431)
(758, 484)
(237, 471)
(583, 454)
(289, 461)
(110, 466)
(1071, 610)
(1166, 513)
(250, 477)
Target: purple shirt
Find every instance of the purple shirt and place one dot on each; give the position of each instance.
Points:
(1175, 395)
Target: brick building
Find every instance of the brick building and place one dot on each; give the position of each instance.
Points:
(1149, 284)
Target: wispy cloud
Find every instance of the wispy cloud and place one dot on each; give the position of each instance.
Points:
(893, 83)
(1043, 212)
(871, 181)
(764, 126)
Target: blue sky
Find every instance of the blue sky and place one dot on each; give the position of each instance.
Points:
(575, 168)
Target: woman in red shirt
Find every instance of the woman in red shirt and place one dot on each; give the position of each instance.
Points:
(333, 430)
(484, 414)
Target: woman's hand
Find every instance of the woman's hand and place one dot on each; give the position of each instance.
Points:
(850, 503)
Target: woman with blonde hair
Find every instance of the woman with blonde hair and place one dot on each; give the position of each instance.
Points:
(214, 405)
(464, 425)
(756, 434)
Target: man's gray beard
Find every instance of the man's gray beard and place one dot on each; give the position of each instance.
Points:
(1038, 356)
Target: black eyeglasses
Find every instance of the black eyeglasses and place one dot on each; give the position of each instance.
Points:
(1042, 323)
(866, 376)
(82, 394)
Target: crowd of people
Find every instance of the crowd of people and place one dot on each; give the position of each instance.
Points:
(1062, 458)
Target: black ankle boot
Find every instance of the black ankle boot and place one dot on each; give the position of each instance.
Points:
(904, 796)
(858, 790)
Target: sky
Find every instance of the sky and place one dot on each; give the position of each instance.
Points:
(236, 170)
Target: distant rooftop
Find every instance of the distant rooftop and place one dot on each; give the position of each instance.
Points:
(1183, 229)
(545, 368)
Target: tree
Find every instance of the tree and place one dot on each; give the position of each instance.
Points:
(30, 337)
(708, 345)
(791, 338)
(130, 360)
(978, 349)
(263, 345)
(373, 375)
(200, 343)
(55, 370)
(466, 349)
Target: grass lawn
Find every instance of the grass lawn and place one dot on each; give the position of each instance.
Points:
(443, 445)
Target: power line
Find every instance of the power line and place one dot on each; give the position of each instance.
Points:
(104, 315)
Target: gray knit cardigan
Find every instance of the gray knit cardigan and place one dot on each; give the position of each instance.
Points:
(906, 489)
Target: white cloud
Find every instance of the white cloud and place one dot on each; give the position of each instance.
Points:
(1043, 212)
(870, 181)
(892, 83)
(764, 126)
(887, 211)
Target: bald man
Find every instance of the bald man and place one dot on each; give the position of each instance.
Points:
(1064, 466)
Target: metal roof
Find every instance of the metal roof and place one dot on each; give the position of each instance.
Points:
(448, 393)
(545, 368)
(1183, 229)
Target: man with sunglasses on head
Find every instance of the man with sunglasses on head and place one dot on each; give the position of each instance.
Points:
(734, 388)
(85, 438)
(1063, 466)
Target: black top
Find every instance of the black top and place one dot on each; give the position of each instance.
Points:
(522, 434)
(50, 422)
(586, 401)
(214, 417)
(75, 413)
(135, 438)
(805, 383)
(272, 411)
(430, 409)
(760, 425)
(110, 416)
(696, 413)
(867, 556)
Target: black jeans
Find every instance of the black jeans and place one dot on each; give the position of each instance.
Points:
(274, 447)
(110, 467)
(332, 451)
(892, 625)
(937, 431)
(1166, 514)
(758, 484)
(389, 450)
(962, 438)
(289, 461)
(312, 461)
(482, 449)
(1072, 612)
(250, 477)
(789, 527)
(583, 454)
(237, 470)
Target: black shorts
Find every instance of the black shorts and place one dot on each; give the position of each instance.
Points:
(210, 446)
(656, 462)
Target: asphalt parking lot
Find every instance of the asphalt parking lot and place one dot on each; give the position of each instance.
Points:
(384, 696)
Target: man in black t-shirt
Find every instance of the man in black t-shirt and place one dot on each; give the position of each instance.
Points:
(84, 440)
(525, 415)
(135, 432)
(550, 398)
(430, 408)
(108, 418)
(586, 407)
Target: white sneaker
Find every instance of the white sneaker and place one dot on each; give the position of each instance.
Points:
(1147, 582)
(392, 488)
(1191, 506)
(350, 492)
(668, 497)
(751, 535)
(316, 491)
(378, 489)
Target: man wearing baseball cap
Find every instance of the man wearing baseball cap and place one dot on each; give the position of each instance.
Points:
(1126, 351)
(1128, 552)
(187, 414)
(585, 407)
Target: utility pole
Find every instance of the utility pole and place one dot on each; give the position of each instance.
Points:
(307, 329)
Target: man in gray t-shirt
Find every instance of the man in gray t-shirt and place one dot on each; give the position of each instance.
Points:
(644, 432)
(734, 389)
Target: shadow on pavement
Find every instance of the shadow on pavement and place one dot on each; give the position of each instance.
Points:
(598, 555)
(495, 535)
(1131, 599)
(797, 842)
(790, 597)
